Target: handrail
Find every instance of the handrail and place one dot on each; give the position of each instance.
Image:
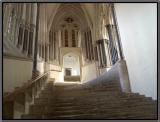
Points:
(23, 88)
(34, 80)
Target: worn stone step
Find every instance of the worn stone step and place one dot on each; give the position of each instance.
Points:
(102, 102)
(71, 102)
(106, 100)
(100, 96)
(95, 114)
(88, 91)
(78, 105)
(77, 110)
(84, 94)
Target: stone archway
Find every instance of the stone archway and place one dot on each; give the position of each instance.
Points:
(71, 67)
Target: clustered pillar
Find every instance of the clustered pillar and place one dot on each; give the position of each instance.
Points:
(88, 45)
(102, 52)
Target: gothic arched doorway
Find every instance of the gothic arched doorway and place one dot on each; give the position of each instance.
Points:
(71, 67)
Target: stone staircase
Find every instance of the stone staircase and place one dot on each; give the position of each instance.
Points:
(105, 102)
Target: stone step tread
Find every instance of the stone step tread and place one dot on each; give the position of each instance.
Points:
(52, 98)
(98, 97)
(90, 91)
(90, 105)
(90, 94)
(109, 103)
(106, 101)
(95, 110)
(95, 115)
(102, 117)
(104, 114)
(94, 104)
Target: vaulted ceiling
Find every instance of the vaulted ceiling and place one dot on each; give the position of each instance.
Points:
(88, 10)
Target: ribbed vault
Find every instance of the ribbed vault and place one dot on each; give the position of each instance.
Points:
(73, 11)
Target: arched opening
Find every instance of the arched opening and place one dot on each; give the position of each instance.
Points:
(71, 67)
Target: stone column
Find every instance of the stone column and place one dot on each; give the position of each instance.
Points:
(104, 53)
(39, 49)
(32, 29)
(86, 45)
(83, 45)
(89, 46)
(117, 32)
(44, 46)
(23, 24)
(54, 46)
(99, 55)
(109, 60)
(49, 45)
(90, 42)
(47, 52)
(60, 38)
(20, 26)
(33, 23)
(52, 35)
(79, 39)
(63, 37)
(36, 39)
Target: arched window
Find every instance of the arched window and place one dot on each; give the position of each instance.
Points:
(73, 39)
(66, 38)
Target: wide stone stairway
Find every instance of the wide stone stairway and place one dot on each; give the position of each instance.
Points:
(105, 102)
